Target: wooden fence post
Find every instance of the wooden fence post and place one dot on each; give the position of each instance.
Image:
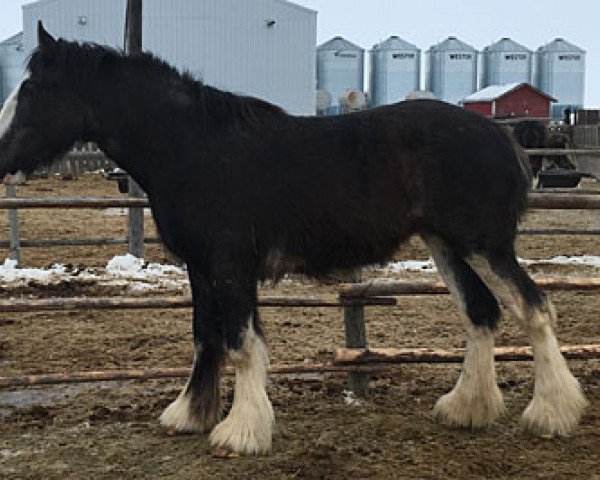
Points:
(13, 227)
(356, 337)
(135, 224)
(133, 46)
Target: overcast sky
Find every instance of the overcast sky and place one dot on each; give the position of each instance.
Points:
(426, 22)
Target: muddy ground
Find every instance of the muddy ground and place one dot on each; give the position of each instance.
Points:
(110, 431)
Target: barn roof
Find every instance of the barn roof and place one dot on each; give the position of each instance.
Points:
(494, 92)
(286, 2)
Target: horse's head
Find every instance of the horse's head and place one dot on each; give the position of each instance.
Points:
(44, 116)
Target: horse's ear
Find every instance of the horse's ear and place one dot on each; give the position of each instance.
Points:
(46, 41)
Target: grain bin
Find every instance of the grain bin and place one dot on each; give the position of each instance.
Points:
(561, 74)
(504, 62)
(395, 71)
(451, 70)
(340, 68)
(12, 64)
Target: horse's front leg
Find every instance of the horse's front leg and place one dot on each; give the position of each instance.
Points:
(249, 424)
(198, 407)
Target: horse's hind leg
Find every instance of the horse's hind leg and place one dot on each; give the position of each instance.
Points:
(198, 407)
(476, 399)
(557, 402)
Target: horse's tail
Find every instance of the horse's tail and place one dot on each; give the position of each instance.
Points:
(523, 184)
(522, 157)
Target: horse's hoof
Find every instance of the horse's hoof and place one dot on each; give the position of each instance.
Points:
(239, 435)
(221, 452)
(463, 409)
(559, 414)
(180, 417)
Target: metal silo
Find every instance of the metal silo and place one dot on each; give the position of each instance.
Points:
(12, 64)
(395, 71)
(340, 67)
(451, 70)
(561, 74)
(506, 61)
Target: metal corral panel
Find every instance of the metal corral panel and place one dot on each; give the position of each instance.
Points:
(561, 74)
(264, 48)
(340, 67)
(12, 64)
(395, 71)
(506, 61)
(451, 70)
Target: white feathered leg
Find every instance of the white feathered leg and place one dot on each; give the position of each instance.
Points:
(249, 425)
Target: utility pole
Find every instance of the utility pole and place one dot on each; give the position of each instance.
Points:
(133, 46)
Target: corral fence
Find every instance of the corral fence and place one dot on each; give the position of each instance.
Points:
(588, 135)
(84, 159)
(90, 160)
(355, 358)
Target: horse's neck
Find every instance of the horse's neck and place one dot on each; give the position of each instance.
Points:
(120, 131)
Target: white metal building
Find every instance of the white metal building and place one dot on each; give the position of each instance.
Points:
(12, 64)
(264, 48)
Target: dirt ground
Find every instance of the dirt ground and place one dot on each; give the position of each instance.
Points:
(110, 430)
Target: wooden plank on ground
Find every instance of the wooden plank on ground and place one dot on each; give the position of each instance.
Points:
(358, 356)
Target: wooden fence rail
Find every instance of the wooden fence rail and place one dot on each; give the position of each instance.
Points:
(139, 303)
(436, 287)
(346, 360)
(542, 200)
(555, 152)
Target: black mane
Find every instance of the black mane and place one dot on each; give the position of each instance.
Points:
(86, 61)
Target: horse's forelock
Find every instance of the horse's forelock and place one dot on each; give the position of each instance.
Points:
(79, 61)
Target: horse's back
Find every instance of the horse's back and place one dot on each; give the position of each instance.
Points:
(347, 190)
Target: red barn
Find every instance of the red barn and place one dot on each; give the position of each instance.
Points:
(514, 100)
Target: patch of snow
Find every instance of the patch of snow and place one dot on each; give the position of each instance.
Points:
(411, 266)
(137, 276)
(10, 454)
(10, 273)
(587, 260)
(124, 270)
(122, 211)
(351, 399)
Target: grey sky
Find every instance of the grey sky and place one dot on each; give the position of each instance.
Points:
(425, 22)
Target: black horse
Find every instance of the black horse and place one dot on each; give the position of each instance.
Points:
(532, 134)
(243, 192)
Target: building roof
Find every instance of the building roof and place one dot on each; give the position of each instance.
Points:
(14, 40)
(286, 2)
(395, 43)
(560, 45)
(452, 44)
(494, 92)
(338, 43)
(506, 45)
